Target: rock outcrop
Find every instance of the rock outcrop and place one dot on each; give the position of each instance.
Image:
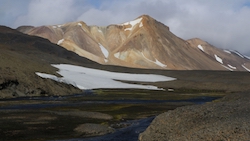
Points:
(226, 119)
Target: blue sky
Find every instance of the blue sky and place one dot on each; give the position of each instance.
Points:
(222, 23)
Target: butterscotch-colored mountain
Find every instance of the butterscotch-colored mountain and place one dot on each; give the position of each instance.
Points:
(141, 43)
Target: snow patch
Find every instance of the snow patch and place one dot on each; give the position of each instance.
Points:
(236, 52)
(105, 60)
(132, 23)
(58, 79)
(99, 31)
(128, 29)
(117, 55)
(79, 24)
(160, 64)
(87, 78)
(227, 68)
(245, 68)
(141, 24)
(247, 57)
(60, 41)
(218, 59)
(43, 75)
(201, 48)
(146, 57)
(227, 51)
(54, 26)
(170, 90)
(59, 26)
(231, 66)
(156, 62)
(104, 50)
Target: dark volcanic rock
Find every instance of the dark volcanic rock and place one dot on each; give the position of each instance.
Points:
(227, 119)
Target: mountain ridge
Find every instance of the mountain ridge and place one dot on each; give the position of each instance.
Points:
(141, 43)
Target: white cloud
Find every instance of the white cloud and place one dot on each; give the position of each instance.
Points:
(96, 17)
(222, 24)
(42, 12)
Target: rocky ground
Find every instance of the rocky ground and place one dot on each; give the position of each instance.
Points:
(90, 129)
(223, 120)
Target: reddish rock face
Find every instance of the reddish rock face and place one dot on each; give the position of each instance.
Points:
(141, 43)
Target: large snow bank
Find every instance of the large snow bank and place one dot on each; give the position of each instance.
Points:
(87, 78)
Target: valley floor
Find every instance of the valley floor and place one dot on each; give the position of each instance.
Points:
(93, 113)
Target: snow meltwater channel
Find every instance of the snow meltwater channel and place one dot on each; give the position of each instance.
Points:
(87, 78)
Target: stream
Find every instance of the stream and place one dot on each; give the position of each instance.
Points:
(60, 102)
(127, 133)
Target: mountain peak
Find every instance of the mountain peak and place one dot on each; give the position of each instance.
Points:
(146, 17)
(142, 21)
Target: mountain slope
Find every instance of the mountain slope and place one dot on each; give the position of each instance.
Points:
(141, 43)
(232, 60)
(23, 55)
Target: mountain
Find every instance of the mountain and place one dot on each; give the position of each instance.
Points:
(141, 43)
(230, 59)
(33, 66)
(26, 61)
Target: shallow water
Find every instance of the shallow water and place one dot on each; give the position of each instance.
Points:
(60, 102)
(129, 133)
